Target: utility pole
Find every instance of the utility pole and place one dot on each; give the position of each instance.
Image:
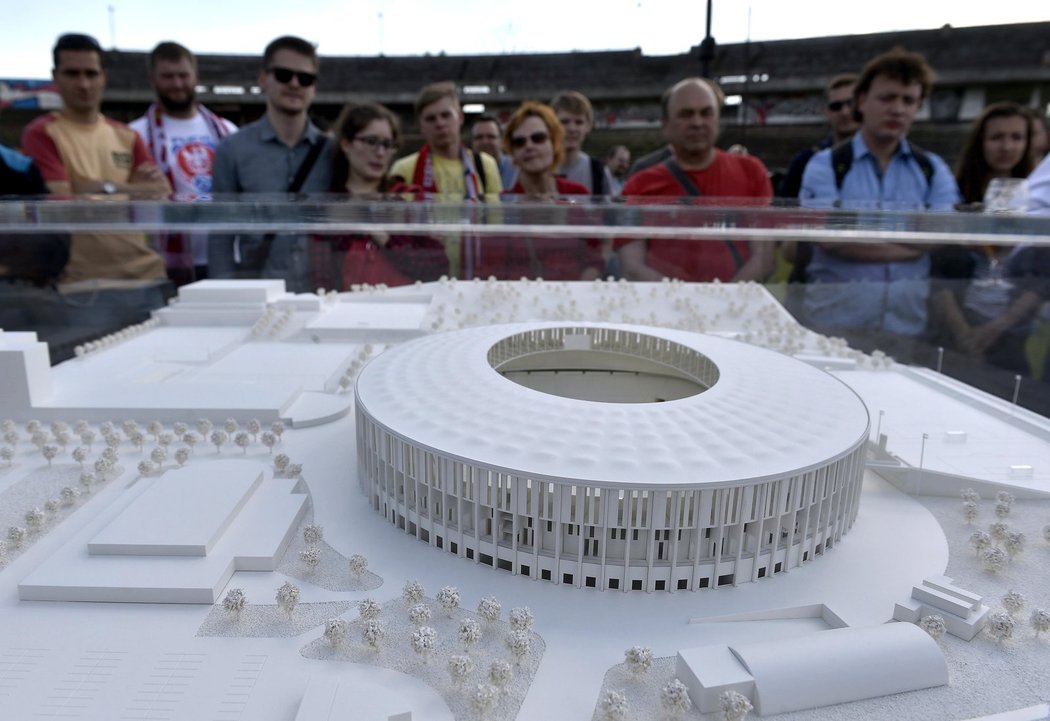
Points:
(707, 47)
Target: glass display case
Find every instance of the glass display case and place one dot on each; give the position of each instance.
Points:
(970, 299)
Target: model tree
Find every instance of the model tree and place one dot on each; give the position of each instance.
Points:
(234, 602)
(146, 467)
(484, 698)
(358, 565)
(735, 706)
(500, 674)
(1013, 544)
(280, 462)
(489, 608)
(335, 631)
(372, 633)
(970, 512)
(49, 451)
(243, 440)
(288, 598)
(137, 440)
(313, 534)
(469, 633)
(369, 608)
(182, 455)
(269, 440)
(1040, 621)
(158, 455)
(230, 426)
(424, 641)
(180, 429)
(419, 614)
(69, 495)
(7, 453)
(999, 530)
(87, 480)
(521, 618)
(17, 536)
(218, 438)
(613, 706)
(278, 429)
(1014, 602)
(981, 541)
(190, 439)
(994, 560)
(155, 428)
(639, 659)
(311, 557)
(933, 625)
(520, 644)
(1000, 626)
(459, 667)
(35, 520)
(674, 698)
(204, 427)
(448, 597)
(412, 592)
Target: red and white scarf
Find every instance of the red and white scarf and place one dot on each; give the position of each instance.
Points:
(157, 140)
(424, 173)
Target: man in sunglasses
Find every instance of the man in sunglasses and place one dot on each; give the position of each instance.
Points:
(282, 152)
(838, 109)
(182, 135)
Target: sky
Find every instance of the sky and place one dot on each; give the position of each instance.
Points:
(414, 27)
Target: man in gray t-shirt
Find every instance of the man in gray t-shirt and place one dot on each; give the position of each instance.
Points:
(281, 152)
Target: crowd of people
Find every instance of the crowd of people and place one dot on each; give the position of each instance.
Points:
(979, 301)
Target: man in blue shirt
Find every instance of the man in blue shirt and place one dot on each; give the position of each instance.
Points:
(876, 287)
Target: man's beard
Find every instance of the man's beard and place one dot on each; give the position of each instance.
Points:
(177, 105)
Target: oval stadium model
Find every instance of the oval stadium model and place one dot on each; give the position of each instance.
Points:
(610, 456)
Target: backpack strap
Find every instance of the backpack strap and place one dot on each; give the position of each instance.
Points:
(842, 160)
(482, 175)
(924, 162)
(597, 176)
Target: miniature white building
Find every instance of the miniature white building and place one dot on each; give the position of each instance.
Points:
(610, 456)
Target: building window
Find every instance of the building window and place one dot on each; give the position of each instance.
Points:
(661, 585)
(704, 583)
(503, 564)
(762, 572)
(636, 585)
(777, 567)
(453, 547)
(683, 584)
(725, 580)
(525, 570)
(566, 578)
(486, 559)
(470, 553)
(614, 584)
(545, 574)
(591, 582)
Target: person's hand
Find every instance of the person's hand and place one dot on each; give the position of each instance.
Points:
(147, 173)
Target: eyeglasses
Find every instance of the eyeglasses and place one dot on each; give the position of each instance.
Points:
(373, 142)
(520, 141)
(837, 105)
(284, 76)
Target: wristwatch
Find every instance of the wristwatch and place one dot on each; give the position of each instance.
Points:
(109, 187)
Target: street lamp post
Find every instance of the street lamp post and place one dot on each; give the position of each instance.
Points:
(707, 47)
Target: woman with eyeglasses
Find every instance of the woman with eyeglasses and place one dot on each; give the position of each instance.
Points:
(985, 297)
(533, 139)
(367, 136)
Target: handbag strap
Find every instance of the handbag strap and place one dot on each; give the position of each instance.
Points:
(691, 189)
(308, 165)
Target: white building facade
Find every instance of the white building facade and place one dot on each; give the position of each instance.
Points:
(756, 471)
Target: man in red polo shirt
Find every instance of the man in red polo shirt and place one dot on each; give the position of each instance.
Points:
(697, 168)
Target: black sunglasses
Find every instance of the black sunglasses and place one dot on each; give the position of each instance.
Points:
(284, 76)
(837, 105)
(519, 141)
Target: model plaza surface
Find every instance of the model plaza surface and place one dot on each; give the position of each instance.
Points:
(546, 456)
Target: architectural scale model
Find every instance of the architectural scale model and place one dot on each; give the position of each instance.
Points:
(679, 461)
(269, 506)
